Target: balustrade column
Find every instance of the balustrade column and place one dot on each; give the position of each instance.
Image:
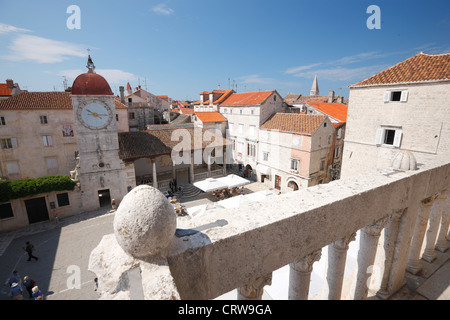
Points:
(390, 242)
(366, 256)
(441, 243)
(300, 276)
(155, 177)
(413, 264)
(433, 227)
(254, 290)
(337, 255)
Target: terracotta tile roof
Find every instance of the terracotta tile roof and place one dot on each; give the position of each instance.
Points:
(186, 111)
(224, 94)
(247, 98)
(44, 100)
(210, 117)
(37, 100)
(4, 91)
(335, 110)
(419, 68)
(120, 105)
(294, 122)
(153, 143)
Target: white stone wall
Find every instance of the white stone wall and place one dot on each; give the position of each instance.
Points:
(31, 154)
(424, 119)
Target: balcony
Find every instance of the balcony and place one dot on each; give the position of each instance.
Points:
(398, 219)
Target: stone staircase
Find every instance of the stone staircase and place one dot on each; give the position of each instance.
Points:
(188, 191)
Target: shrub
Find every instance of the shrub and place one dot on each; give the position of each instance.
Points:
(15, 189)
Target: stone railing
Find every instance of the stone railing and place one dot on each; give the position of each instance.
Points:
(240, 248)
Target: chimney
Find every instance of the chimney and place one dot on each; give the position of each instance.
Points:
(122, 96)
(211, 98)
(9, 84)
(16, 90)
(201, 98)
(331, 96)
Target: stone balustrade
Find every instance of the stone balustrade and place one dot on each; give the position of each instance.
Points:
(404, 214)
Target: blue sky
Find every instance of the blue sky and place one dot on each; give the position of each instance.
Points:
(182, 47)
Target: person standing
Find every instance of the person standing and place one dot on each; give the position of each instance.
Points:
(36, 293)
(114, 204)
(29, 284)
(16, 292)
(29, 249)
(55, 215)
(15, 278)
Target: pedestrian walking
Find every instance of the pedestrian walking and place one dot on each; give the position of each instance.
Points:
(29, 283)
(16, 292)
(29, 249)
(114, 205)
(37, 293)
(55, 215)
(15, 278)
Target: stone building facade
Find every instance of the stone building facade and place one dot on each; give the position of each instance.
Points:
(403, 108)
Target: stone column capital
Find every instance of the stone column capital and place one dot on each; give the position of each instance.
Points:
(255, 290)
(305, 264)
(342, 244)
(376, 228)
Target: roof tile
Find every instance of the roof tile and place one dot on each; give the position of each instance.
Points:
(294, 122)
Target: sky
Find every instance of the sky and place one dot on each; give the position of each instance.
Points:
(180, 48)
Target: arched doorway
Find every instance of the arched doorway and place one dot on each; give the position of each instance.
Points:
(293, 185)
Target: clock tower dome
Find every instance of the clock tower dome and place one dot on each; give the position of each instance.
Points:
(102, 174)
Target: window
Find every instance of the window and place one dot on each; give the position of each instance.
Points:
(43, 119)
(252, 131)
(389, 136)
(51, 163)
(117, 117)
(329, 140)
(392, 96)
(274, 98)
(230, 125)
(294, 164)
(6, 211)
(337, 152)
(12, 168)
(241, 128)
(63, 199)
(339, 133)
(47, 140)
(322, 165)
(131, 116)
(251, 150)
(265, 156)
(8, 143)
(296, 141)
(2, 121)
(225, 110)
(252, 112)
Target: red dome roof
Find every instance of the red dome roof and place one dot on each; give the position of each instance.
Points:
(91, 84)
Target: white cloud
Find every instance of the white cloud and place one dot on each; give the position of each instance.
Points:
(6, 28)
(342, 73)
(113, 76)
(269, 83)
(162, 9)
(42, 50)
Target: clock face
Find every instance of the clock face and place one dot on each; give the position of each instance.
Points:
(95, 115)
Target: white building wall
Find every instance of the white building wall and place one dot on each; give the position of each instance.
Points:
(424, 120)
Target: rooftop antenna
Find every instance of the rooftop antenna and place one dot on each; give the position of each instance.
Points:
(65, 83)
(145, 81)
(218, 86)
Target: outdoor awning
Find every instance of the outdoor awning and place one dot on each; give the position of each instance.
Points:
(263, 169)
(233, 181)
(210, 184)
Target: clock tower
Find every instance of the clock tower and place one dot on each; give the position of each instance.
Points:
(102, 174)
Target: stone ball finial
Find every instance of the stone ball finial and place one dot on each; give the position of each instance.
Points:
(145, 222)
(404, 160)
